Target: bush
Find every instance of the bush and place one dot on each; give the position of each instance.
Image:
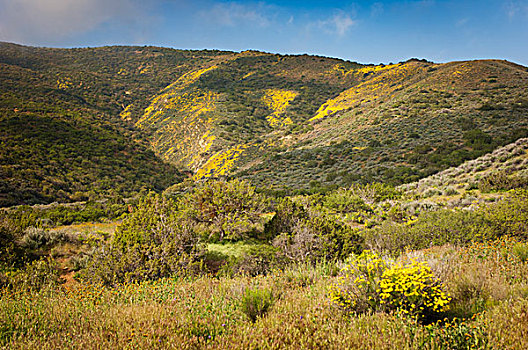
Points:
(520, 250)
(345, 201)
(151, 243)
(500, 181)
(35, 276)
(371, 283)
(319, 237)
(431, 229)
(9, 233)
(225, 210)
(257, 260)
(35, 238)
(256, 302)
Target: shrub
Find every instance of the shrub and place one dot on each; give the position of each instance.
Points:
(35, 238)
(225, 210)
(37, 275)
(413, 289)
(9, 232)
(500, 181)
(151, 243)
(345, 201)
(256, 260)
(371, 283)
(450, 334)
(256, 302)
(520, 250)
(319, 237)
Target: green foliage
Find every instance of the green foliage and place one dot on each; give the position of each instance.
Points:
(35, 276)
(225, 210)
(151, 243)
(255, 302)
(71, 158)
(256, 259)
(507, 217)
(500, 181)
(450, 334)
(520, 250)
(9, 233)
(287, 215)
(345, 201)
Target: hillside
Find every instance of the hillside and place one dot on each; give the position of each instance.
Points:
(91, 117)
(503, 169)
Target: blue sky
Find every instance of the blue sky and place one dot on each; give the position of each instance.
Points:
(363, 31)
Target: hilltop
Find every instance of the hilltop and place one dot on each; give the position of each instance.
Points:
(76, 122)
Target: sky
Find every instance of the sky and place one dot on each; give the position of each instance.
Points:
(360, 31)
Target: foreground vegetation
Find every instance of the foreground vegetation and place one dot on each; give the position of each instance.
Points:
(219, 265)
(288, 308)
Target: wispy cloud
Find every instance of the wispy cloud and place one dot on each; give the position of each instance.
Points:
(36, 20)
(516, 8)
(339, 23)
(462, 22)
(233, 13)
(376, 9)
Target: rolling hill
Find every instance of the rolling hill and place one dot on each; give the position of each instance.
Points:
(78, 123)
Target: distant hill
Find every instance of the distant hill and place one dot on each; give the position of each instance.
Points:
(505, 166)
(78, 122)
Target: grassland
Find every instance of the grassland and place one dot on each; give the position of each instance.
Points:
(488, 283)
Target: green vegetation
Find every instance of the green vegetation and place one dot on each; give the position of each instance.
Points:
(288, 231)
(300, 269)
(81, 123)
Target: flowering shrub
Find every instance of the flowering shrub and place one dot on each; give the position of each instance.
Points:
(413, 289)
(371, 282)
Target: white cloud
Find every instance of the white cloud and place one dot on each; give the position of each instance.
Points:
(462, 22)
(338, 24)
(30, 21)
(232, 14)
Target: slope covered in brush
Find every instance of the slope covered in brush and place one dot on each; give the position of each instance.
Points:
(285, 122)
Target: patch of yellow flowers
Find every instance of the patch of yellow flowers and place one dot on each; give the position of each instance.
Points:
(384, 82)
(278, 100)
(220, 163)
(370, 282)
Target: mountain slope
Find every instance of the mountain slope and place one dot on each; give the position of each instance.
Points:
(61, 135)
(284, 122)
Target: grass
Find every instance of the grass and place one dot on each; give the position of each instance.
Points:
(235, 249)
(209, 312)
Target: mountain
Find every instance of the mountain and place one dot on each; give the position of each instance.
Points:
(131, 116)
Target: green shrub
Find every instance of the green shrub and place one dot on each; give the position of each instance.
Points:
(151, 243)
(256, 260)
(520, 250)
(449, 334)
(500, 181)
(35, 276)
(255, 302)
(345, 201)
(221, 210)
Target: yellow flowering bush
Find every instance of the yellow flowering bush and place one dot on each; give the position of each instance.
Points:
(413, 289)
(370, 282)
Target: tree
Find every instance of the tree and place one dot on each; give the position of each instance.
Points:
(225, 210)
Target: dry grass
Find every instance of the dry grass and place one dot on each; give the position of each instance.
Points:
(489, 284)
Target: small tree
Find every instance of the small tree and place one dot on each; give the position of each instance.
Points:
(225, 210)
